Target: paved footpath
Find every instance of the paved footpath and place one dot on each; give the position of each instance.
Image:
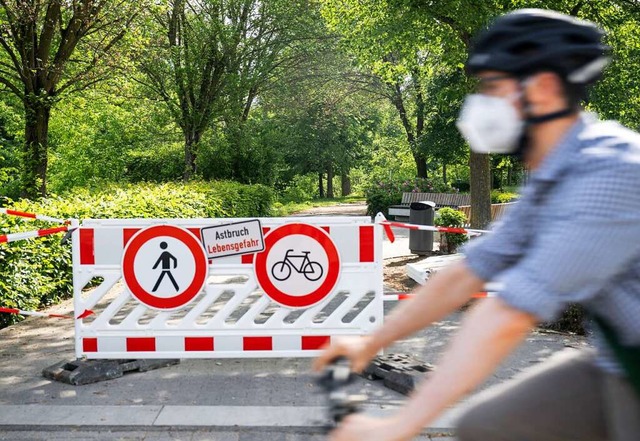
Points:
(197, 400)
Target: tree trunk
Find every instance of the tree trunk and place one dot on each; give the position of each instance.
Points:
(235, 138)
(398, 102)
(480, 190)
(444, 173)
(320, 186)
(345, 182)
(330, 181)
(191, 141)
(34, 172)
(421, 165)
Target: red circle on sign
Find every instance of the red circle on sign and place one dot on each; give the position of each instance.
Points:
(319, 293)
(128, 271)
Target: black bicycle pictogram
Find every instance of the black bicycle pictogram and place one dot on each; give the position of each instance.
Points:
(281, 270)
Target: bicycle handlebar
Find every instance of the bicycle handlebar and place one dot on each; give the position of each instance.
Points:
(334, 380)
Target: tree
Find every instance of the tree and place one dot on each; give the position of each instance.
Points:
(323, 123)
(326, 136)
(392, 48)
(391, 37)
(284, 37)
(184, 64)
(405, 43)
(50, 48)
(441, 141)
(209, 60)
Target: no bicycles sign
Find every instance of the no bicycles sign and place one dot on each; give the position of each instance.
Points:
(299, 267)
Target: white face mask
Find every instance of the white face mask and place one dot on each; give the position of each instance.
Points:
(490, 124)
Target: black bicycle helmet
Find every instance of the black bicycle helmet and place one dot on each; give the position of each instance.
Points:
(531, 40)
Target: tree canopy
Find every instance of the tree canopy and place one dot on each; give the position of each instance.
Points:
(319, 95)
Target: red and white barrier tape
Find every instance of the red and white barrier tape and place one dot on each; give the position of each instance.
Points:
(430, 228)
(392, 296)
(13, 237)
(32, 313)
(31, 215)
(86, 313)
(381, 220)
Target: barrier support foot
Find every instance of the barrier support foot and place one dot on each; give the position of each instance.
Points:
(399, 372)
(81, 371)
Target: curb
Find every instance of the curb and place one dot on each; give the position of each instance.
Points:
(309, 419)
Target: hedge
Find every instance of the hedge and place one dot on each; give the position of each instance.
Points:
(37, 273)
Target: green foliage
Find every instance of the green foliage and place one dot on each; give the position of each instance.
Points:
(243, 200)
(33, 273)
(62, 48)
(502, 197)
(162, 164)
(300, 189)
(215, 85)
(448, 217)
(99, 138)
(257, 160)
(390, 156)
(571, 320)
(37, 272)
(10, 126)
(169, 200)
(383, 194)
(9, 184)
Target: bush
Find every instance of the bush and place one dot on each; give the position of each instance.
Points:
(502, 197)
(448, 217)
(37, 273)
(382, 194)
(300, 189)
(162, 164)
(33, 273)
(461, 186)
(571, 320)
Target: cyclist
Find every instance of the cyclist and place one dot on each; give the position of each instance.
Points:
(572, 237)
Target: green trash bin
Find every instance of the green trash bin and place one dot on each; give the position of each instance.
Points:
(421, 213)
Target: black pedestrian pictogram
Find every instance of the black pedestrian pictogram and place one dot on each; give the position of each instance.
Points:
(165, 258)
(281, 270)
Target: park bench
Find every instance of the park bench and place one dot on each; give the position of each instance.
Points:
(454, 200)
(497, 211)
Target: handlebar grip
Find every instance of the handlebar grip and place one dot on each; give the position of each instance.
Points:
(336, 377)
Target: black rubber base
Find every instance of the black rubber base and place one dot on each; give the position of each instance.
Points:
(399, 372)
(79, 372)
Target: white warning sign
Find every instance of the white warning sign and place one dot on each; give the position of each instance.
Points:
(232, 239)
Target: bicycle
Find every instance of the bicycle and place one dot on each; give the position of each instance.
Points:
(310, 269)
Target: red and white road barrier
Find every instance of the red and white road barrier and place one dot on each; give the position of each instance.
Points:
(13, 237)
(31, 216)
(86, 313)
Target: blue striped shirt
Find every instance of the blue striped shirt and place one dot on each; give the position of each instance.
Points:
(574, 235)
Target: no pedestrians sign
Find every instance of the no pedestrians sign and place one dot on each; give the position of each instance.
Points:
(164, 267)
